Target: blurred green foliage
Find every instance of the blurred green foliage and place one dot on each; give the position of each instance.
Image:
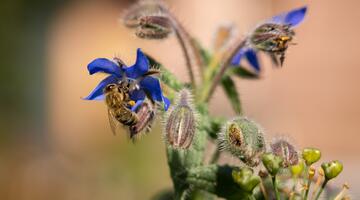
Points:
(22, 38)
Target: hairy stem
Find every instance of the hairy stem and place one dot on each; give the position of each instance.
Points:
(185, 38)
(263, 190)
(215, 157)
(277, 194)
(191, 41)
(187, 56)
(208, 92)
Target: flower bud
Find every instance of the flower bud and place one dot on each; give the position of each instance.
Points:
(224, 34)
(154, 27)
(297, 169)
(272, 163)
(311, 155)
(134, 13)
(243, 139)
(286, 151)
(245, 178)
(332, 169)
(146, 117)
(180, 124)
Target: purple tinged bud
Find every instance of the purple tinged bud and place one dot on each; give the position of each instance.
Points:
(286, 151)
(146, 113)
(180, 124)
(154, 27)
(134, 13)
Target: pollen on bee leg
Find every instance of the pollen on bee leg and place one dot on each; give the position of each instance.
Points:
(131, 103)
(285, 38)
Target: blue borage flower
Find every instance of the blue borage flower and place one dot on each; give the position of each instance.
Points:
(118, 71)
(290, 19)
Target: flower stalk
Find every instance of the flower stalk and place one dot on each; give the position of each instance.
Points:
(208, 91)
(135, 94)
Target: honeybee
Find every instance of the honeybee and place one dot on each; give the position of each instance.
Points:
(118, 102)
(273, 39)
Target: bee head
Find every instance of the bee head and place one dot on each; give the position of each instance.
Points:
(111, 88)
(119, 62)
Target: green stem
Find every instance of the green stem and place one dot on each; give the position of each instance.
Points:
(306, 168)
(215, 157)
(208, 91)
(321, 189)
(183, 38)
(307, 189)
(186, 54)
(277, 194)
(251, 197)
(295, 180)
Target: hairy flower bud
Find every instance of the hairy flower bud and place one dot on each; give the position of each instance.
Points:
(273, 39)
(146, 115)
(154, 27)
(142, 8)
(272, 163)
(244, 139)
(180, 124)
(286, 151)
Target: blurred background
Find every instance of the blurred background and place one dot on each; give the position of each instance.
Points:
(53, 145)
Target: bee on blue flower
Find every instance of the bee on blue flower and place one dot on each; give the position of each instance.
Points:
(130, 93)
(272, 37)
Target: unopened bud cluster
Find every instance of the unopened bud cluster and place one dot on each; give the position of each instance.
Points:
(149, 19)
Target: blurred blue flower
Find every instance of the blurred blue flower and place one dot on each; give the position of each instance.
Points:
(272, 37)
(147, 85)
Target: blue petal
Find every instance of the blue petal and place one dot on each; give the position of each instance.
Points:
(137, 95)
(237, 58)
(97, 93)
(251, 56)
(104, 65)
(294, 17)
(138, 103)
(140, 67)
(166, 103)
(152, 87)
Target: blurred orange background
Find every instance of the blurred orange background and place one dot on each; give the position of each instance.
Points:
(56, 146)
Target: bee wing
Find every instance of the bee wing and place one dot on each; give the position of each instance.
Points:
(114, 124)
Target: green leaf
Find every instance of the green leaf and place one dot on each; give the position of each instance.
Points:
(242, 72)
(217, 180)
(231, 92)
(205, 55)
